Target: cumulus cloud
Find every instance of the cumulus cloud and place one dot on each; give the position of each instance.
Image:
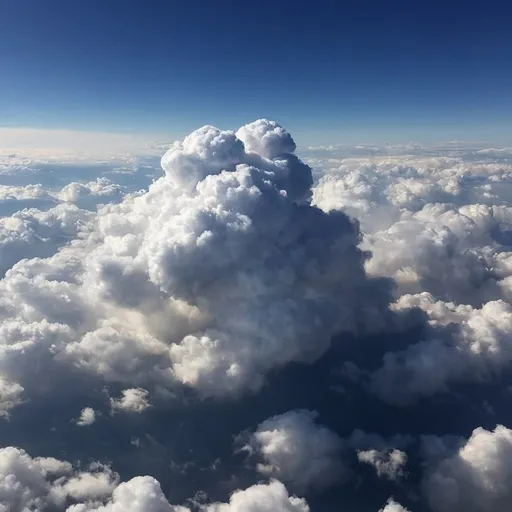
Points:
(387, 464)
(88, 195)
(34, 233)
(439, 226)
(139, 494)
(144, 494)
(132, 400)
(44, 483)
(475, 349)
(242, 291)
(262, 498)
(41, 483)
(226, 268)
(293, 448)
(87, 417)
(476, 477)
(393, 506)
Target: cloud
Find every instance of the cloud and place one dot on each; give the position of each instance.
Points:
(101, 191)
(87, 417)
(10, 396)
(262, 498)
(28, 483)
(347, 325)
(476, 477)
(139, 494)
(393, 506)
(70, 145)
(34, 233)
(387, 464)
(298, 451)
(132, 400)
(40, 483)
(144, 494)
(475, 349)
(439, 226)
(227, 245)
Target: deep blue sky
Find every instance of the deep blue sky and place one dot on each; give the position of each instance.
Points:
(378, 69)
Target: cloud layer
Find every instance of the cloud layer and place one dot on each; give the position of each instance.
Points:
(244, 330)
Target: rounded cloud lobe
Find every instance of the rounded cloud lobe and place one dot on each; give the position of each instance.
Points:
(296, 450)
(476, 477)
(230, 333)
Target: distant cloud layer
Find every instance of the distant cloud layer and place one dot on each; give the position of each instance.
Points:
(236, 329)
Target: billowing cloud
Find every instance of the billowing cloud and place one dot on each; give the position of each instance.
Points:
(229, 268)
(87, 417)
(28, 483)
(132, 400)
(393, 506)
(261, 498)
(44, 483)
(348, 326)
(476, 477)
(387, 464)
(293, 448)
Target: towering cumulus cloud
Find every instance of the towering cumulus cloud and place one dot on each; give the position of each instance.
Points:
(228, 269)
(247, 335)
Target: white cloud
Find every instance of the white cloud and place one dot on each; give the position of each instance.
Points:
(272, 497)
(144, 494)
(34, 233)
(101, 191)
(10, 396)
(293, 448)
(87, 417)
(393, 506)
(218, 275)
(387, 464)
(140, 494)
(476, 348)
(46, 483)
(132, 400)
(222, 268)
(28, 483)
(477, 477)
(437, 221)
(69, 145)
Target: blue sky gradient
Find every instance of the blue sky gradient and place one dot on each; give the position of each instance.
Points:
(327, 70)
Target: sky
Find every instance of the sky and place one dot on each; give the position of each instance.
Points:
(229, 282)
(330, 71)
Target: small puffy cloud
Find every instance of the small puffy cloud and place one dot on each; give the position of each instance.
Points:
(87, 417)
(134, 400)
(10, 396)
(293, 448)
(393, 506)
(266, 138)
(88, 195)
(388, 464)
(140, 494)
(475, 478)
(272, 497)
